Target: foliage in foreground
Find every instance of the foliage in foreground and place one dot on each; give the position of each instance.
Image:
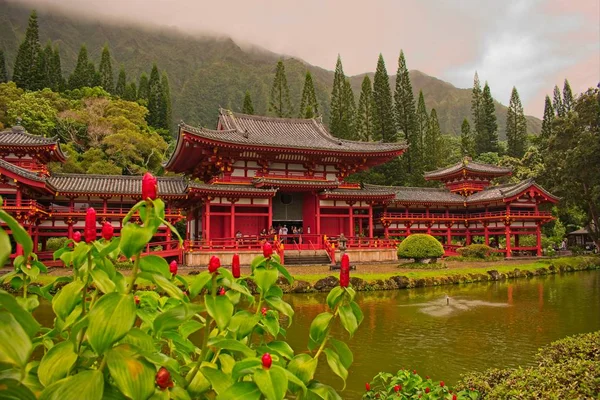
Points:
(420, 247)
(109, 341)
(566, 369)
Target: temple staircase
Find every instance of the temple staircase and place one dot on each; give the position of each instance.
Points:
(306, 257)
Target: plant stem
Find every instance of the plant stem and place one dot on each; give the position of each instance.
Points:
(322, 347)
(134, 272)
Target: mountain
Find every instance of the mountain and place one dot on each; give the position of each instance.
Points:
(207, 72)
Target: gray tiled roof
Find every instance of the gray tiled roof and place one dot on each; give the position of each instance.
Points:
(233, 188)
(501, 192)
(420, 195)
(17, 136)
(471, 166)
(113, 184)
(262, 131)
(266, 181)
(21, 171)
(366, 191)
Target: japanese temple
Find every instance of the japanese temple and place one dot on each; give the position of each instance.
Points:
(258, 178)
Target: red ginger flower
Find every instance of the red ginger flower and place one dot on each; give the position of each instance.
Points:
(267, 361)
(163, 378)
(214, 264)
(77, 236)
(136, 299)
(235, 266)
(264, 311)
(149, 187)
(427, 390)
(107, 231)
(222, 291)
(90, 225)
(397, 388)
(454, 397)
(367, 386)
(173, 267)
(442, 384)
(345, 271)
(267, 250)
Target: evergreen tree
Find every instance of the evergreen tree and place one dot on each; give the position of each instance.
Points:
(248, 107)
(516, 126)
(56, 79)
(383, 114)
(418, 146)
(547, 121)
(166, 107)
(130, 92)
(477, 110)
(364, 117)
(406, 118)
(3, 70)
(557, 102)
(349, 111)
(43, 68)
(155, 99)
(467, 145)
(122, 85)
(567, 98)
(337, 114)
(433, 152)
(106, 73)
(81, 75)
(487, 140)
(25, 74)
(93, 75)
(280, 104)
(143, 87)
(309, 107)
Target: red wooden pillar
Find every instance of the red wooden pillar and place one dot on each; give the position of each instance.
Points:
(188, 225)
(207, 227)
(70, 228)
(232, 222)
(507, 236)
(538, 237)
(104, 205)
(318, 211)
(350, 221)
(370, 220)
(168, 246)
(18, 200)
(270, 221)
(449, 235)
(36, 238)
(468, 239)
(486, 233)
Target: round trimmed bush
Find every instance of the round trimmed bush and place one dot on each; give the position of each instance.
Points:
(55, 243)
(420, 247)
(475, 251)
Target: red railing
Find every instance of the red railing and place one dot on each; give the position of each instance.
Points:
(25, 203)
(290, 174)
(483, 215)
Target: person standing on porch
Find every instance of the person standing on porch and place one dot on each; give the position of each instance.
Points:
(284, 232)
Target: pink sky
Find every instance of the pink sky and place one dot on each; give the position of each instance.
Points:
(530, 44)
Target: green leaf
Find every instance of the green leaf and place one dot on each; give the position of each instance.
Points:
(256, 261)
(199, 384)
(334, 296)
(231, 345)
(31, 271)
(272, 382)
(110, 319)
(179, 393)
(57, 363)
(11, 389)
(174, 317)
(283, 271)
(102, 281)
(88, 385)
(294, 381)
(322, 391)
(15, 345)
(336, 365)
(189, 327)
(219, 380)
(155, 265)
(66, 299)
(199, 282)
(245, 367)
(242, 391)
(281, 306)
(343, 351)
(272, 324)
(18, 233)
(265, 278)
(220, 308)
(348, 319)
(25, 319)
(30, 303)
(134, 239)
(358, 314)
(139, 339)
(243, 323)
(318, 329)
(164, 284)
(5, 247)
(281, 348)
(304, 367)
(133, 376)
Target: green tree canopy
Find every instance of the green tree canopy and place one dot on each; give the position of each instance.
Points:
(309, 106)
(25, 74)
(3, 70)
(364, 117)
(155, 100)
(516, 126)
(280, 104)
(166, 106)
(83, 75)
(338, 124)
(130, 92)
(248, 107)
(434, 153)
(567, 97)
(143, 87)
(547, 121)
(477, 113)
(486, 140)
(122, 84)
(383, 115)
(557, 102)
(106, 72)
(467, 144)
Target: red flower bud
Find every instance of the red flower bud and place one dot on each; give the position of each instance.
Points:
(163, 378)
(136, 299)
(77, 236)
(173, 267)
(454, 397)
(222, 292)
(90, 225)
(427, 390)
(214, 264)
(397, 388)
(442, 384)
(264, 311)
(345, 263)
(267, 361)
(414, 371)
(107, 231)
(426, 376)
(267, 250)
(149, 187)
(367, 386)
(345, 271)
(235, 266)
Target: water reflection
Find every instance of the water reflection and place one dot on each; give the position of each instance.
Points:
(447, 306)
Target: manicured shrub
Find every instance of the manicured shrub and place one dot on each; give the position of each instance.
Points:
(476, 251)
(420, 247)
(55, 243)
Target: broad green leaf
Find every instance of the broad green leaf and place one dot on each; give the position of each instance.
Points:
(88, 385)
(31, 271)
(189, 327)
(334, 296)
(199, 384)
(15, 345)
(57, 363)
(256, 261)
(231, 345)
(272, 382)
(304, 367)
(322, 391)
(227, 363)
(134, 239)
(5, 247)
(110, 319)
(25, 319)
(318, 329)
(245, 367)
(265, 278)
(133, 376)
(164, 284)
(102, 281)
(199, 282)
(220, 308)
(351, 292)
(281, 306)
(343, 351)
(243, 323)
(139, 339)
(358, 314)
(111, 247)
(294, 381)
(174, 317)
(242, 391)
(18, 233)
(348, 319)
(281, 348)
(283, 271)
(30, 303)
(12, 389)
(272, 324)
(67, 298)
(179, 393)
(219, 380)
(155, 265)
(336, 365)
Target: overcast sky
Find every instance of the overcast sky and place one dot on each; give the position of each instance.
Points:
(530, 44)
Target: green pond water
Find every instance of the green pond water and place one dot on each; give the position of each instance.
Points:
(500, 324)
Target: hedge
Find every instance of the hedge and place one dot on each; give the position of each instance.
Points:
(420, 246)
(476, 251)
(55, 243)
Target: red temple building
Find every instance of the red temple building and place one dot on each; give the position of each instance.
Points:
(258, 178)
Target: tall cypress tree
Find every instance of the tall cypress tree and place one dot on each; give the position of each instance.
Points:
(81, 75)
(364, 117)
(106, 72)
(43, 68)
(349, 111)
(122, 84)
(248, 107)
(57, 81)
(143, 87)
(433, 154)
(383, 114)
(477, 110)
(418, 143)
(547, 121)
(516, 126)
(25, 73)
(155, 99)
(405, 108)
(93, 75)
(467, 145)
(280, 104)
(3, 70)
(487, 140)
(167, 106)
(568, 100)
(337, 112)
(130, 93)
(557, 102)
(309, 107)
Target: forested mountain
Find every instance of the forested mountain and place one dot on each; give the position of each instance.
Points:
(206, 72)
